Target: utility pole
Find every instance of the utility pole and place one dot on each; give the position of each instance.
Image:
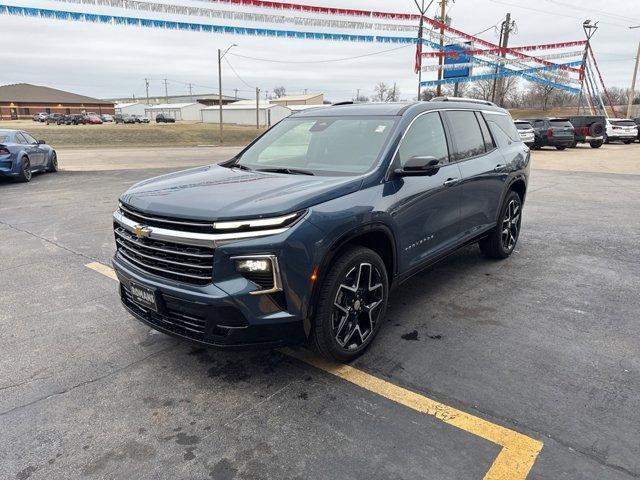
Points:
(221, 55)
(236, 93)
(166, 92)
(509, 27)
(632, 91)
(146, 83)
(498, 84)
(191, 92)
(419, 45)
(257, 108)
(358, 95)
(589, 31)
(443, 4)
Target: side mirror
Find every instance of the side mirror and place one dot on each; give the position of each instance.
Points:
(41, 142)
(419, 165)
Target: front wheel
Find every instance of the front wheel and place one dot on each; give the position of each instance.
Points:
(627, 142)
(596, 143)
(503, 238)
(351, 306)
(560, 147)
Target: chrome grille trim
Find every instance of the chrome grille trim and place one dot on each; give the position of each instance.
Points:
(132, 239)
(146, 266)
(192, 238)
(159, 259)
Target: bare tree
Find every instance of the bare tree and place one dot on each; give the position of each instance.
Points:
(427, 94)
(279, 91)
(361, 99)
(385, 93)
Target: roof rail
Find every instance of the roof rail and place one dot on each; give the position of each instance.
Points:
(463, 99)
(348, 102)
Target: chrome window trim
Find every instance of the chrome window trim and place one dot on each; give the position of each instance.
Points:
(277, 280)
(192, 238)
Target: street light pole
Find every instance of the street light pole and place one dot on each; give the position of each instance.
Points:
(221, 55)
(632, 91)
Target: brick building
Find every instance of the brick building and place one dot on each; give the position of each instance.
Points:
(21, 101)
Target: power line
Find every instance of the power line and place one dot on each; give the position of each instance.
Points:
(554, 14)
(236, 73)
(321, 61)
(593, 10)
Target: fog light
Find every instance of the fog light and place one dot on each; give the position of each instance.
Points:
(253, 265)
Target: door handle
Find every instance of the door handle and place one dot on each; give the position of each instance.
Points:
(450, 181)
(499, 167)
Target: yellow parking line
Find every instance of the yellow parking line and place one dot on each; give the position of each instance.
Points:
(103, 269)
(518, 454)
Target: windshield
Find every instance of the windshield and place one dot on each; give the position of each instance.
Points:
(523, 126)
(321, 145)
(561, 123)
(623, 123)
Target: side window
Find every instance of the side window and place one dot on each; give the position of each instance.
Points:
(505, 123)
(488, 140)
(20, 139)
(467, 134)
(425, 137)
(539, 124)
(29, 139)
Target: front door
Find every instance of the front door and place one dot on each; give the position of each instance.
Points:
(426, 208)
(34, 151)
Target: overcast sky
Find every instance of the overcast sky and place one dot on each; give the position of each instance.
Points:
(111, 61)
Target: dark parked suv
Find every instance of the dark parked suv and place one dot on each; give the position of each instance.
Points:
(589, 129)
(301, 236)
(552, 132)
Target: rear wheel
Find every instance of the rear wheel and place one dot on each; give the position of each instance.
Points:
(25, 170)
(503, 238)
(596, 143)
(627, 142)
(351, 306)
(574, 144)
(560, 147)
(53, 163)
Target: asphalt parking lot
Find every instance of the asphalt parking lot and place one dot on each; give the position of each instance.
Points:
(538, 351)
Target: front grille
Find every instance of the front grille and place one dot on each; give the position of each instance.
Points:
(170, 223)
(178, 319)
(185, 263)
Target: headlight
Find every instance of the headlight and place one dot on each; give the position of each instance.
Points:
(263, 270)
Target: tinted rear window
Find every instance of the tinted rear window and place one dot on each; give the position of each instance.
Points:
(623, 123)
(505, 123)
(523, 126)
(560, 123)
(468, 136)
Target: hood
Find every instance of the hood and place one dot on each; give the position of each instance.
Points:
(219, 193)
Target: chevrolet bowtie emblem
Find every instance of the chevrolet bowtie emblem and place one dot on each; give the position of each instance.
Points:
(141, 231)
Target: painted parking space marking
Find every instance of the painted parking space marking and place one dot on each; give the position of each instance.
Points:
(518, 453)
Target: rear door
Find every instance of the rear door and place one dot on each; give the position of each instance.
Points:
(483, 168)
(427, 208)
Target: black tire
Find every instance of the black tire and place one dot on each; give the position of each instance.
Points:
(25, 170)
(627, 142)
(560, 147)
(502, 240)
(596, 143)
(346, 320)
(53, 163)
(574, 144)
(606, 139)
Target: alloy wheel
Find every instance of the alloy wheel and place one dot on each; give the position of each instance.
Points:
(356, 307)
(26, 168)
(511, 225)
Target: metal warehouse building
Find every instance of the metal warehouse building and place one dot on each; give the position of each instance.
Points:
(244, 113)
(23, 100)
(179, 111)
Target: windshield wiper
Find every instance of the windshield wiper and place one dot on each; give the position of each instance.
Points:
(240, 166)
(290, 171)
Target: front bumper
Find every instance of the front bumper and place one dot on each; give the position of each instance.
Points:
(210, 316)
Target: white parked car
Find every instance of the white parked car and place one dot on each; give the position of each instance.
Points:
(527, 134)
(623, 129)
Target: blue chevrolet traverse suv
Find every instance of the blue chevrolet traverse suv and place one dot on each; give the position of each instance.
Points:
(300, 237)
